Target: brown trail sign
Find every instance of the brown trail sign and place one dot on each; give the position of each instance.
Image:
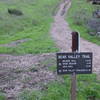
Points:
(78, 63)
(74, 63)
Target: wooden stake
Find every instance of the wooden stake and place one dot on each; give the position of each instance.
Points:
(73, 86)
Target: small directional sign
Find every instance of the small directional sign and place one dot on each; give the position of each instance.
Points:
(80, 63)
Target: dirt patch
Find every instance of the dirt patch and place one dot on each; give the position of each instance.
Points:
(15, 43)
(18, 73)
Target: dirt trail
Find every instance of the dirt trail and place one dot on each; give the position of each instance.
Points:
(60, 30)
(28, 72)
(61, 33)
(18, 73)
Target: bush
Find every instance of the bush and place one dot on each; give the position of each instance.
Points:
(15, 12)
(94, 26)
(96, 13)
(80, 17)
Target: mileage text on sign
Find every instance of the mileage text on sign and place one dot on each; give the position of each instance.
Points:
(80, 63)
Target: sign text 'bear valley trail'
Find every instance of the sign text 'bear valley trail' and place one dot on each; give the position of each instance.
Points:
(80, 63)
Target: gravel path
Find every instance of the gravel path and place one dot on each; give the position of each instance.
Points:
(61, 33)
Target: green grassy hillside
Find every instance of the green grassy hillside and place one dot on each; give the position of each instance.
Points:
(34, 24)
(80, 11)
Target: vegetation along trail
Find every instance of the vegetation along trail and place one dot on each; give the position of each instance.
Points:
(18, 73)
(61, 33)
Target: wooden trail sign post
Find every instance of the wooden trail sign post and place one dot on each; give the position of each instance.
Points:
(75, 48)
(74, 63)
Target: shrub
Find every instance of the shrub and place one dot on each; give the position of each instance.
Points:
(96, 13)
(94, 26)
(15, 12)
(80, 17)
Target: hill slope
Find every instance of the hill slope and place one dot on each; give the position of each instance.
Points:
(27, 33)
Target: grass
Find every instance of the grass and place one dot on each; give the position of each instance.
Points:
(2, 97)
(34, 25)
(88, 8)
(50, 63)
(86, 85)
(60, 90)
